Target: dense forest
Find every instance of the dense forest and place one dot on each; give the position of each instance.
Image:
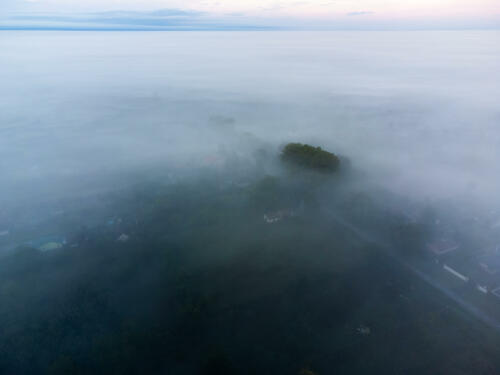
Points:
(218, 276)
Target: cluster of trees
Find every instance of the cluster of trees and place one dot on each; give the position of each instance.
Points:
(310, 157)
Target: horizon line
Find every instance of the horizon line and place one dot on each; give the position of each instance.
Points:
(243, 28)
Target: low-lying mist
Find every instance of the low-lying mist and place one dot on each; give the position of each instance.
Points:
(149, 223)
(417, 111)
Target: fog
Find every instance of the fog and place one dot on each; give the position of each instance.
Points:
(89, 121)
(417, 110)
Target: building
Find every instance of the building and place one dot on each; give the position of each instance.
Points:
(490, 263)
(442, 246)
(273, 217)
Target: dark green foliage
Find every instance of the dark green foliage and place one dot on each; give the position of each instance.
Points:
(218, 364)
(205, 286)
(269, 194)
(309, 157)
(410, 236)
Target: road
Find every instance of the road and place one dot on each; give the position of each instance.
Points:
(389, 251)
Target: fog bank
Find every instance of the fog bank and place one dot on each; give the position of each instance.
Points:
(417, 112)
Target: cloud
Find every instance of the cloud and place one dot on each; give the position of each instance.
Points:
(179, 18)
(154, 13)
(360, 13)
(162, 19)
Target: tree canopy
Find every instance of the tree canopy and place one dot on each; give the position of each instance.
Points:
(310, 157)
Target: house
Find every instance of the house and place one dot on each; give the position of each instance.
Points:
(456, 273)
(496, 292)
(47, 243)
(273, 217)
(53, 245)
(482, 288)
(488, 271)
(363, 330)
(123, 238)
(490, 263)
(483, 270)
(442, 246)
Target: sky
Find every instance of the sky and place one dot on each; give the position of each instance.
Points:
(236, 14)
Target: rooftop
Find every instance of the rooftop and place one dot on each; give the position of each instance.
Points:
(442, 246)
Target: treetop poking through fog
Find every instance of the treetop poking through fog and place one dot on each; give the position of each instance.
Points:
(309, 157)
